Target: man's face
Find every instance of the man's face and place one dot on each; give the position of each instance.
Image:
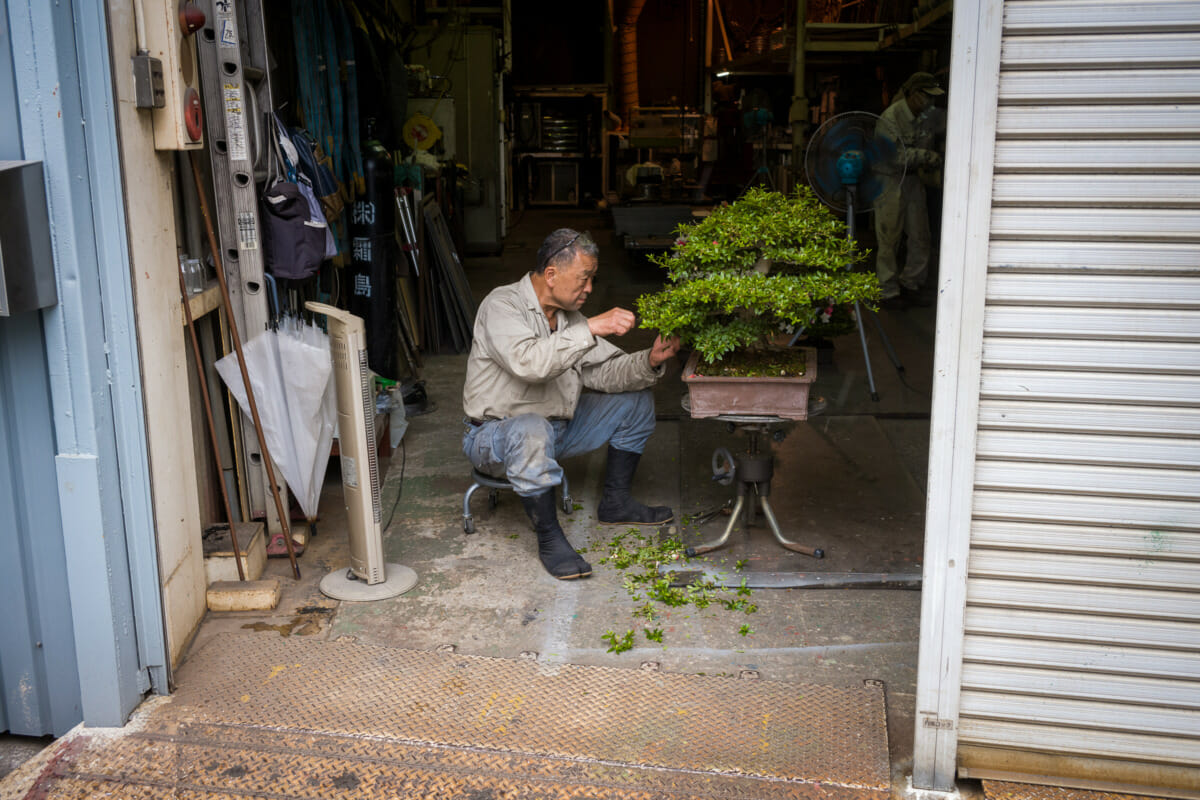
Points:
(571, 283)
(918, 102)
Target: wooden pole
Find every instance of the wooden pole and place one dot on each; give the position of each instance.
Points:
(212, 430)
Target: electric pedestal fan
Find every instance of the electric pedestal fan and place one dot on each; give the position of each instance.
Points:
(850, 166)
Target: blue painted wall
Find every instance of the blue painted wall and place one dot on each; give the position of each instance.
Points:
(81, 636)
(39, 680)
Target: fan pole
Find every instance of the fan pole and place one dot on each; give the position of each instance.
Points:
(858, 310)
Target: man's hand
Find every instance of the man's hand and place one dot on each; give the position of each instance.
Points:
(614, 322)
(662, 349)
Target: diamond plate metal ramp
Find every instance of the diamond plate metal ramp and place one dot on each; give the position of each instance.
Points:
(285, 718)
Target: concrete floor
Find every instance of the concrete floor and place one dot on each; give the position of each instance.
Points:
(850, 481)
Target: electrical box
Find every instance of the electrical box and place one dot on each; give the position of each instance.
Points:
(26, 258)
(179, 122)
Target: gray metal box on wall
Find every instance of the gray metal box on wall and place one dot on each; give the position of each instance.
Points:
(26, 259)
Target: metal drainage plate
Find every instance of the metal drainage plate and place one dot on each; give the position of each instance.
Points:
(284, 718)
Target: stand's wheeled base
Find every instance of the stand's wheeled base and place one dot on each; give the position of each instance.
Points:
(752, 471)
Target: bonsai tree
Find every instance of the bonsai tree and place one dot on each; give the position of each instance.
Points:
(766, 264)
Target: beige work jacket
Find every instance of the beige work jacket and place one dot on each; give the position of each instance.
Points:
(899, 124)
(519, 366)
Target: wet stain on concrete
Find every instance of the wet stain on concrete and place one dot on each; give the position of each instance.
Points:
(309, 620)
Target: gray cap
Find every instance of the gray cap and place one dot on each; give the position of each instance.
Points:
(923, 82)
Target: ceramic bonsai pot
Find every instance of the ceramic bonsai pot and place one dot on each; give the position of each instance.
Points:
(713, 396)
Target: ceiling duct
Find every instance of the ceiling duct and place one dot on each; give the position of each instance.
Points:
(629, 58)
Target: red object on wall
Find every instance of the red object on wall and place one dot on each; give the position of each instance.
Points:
(191, 18)
(193, 114)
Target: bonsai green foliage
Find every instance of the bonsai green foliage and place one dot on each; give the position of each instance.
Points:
(638, 557)
(716, 300)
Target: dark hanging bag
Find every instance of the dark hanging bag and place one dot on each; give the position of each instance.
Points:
(294, 238)
(293, 242)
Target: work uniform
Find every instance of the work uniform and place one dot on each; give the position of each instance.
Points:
(524, 396)
(901, 207)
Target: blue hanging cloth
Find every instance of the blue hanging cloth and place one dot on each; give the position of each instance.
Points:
(312, 71)
(326, 42)
(345, 35)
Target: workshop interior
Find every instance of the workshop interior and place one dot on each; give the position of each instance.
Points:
(945, 540)
(385, 156)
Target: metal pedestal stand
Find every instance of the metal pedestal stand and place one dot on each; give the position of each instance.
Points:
(851, 191)
(752, 471)
(862, 338)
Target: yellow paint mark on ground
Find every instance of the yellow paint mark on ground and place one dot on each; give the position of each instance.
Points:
(275, 672)
(487, 708)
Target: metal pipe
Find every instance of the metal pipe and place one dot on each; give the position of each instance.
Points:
(139, 25)
(724, 33)
(629, 60)
(815, 552)
(798, 116)
(237, 346)
(710, 546)
(683, 575)
(208, 417)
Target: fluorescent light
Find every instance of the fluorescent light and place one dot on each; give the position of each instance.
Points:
(723, 73)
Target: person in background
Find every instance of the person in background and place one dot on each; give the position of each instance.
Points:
(901, 210)
(533, 356)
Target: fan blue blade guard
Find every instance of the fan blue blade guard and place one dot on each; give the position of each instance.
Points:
(847, 154)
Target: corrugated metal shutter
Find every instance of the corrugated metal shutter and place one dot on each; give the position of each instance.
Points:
(1081, 656)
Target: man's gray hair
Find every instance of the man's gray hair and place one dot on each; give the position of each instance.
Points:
(561, 247)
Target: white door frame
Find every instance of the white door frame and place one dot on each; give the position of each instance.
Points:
(958, 345)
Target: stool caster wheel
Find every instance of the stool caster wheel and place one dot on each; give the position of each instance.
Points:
(493, 499)
(567, 505)
(468, 525)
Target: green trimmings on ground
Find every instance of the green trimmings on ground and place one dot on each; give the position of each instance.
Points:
(639, 558)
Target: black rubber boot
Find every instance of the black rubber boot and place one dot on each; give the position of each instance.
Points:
(617, 506)
(556, 553)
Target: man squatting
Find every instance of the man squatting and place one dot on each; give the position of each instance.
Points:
(532, 356)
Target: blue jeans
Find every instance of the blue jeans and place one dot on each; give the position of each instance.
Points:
(524, 449)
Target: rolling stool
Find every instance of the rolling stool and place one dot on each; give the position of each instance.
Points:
(494, 486)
